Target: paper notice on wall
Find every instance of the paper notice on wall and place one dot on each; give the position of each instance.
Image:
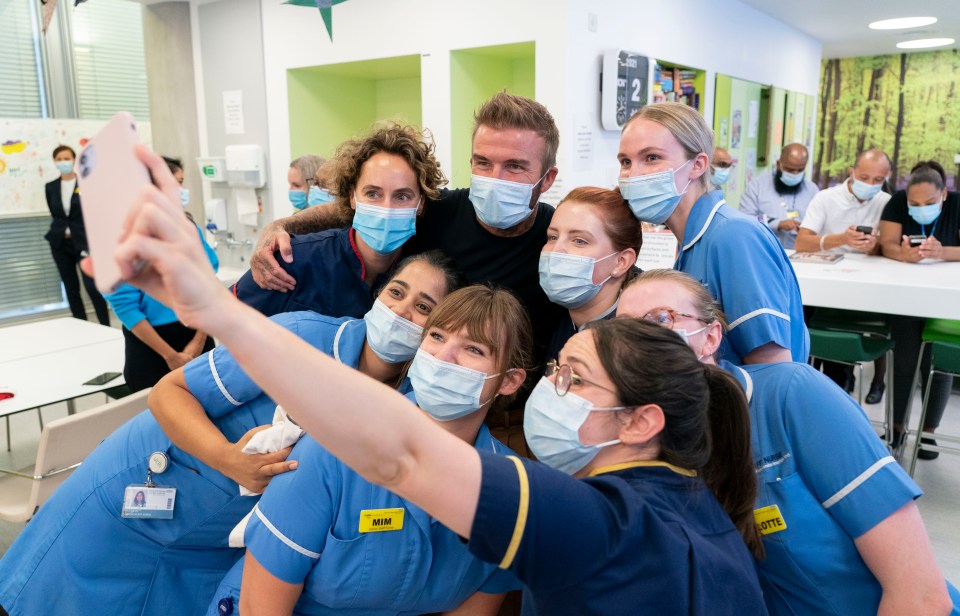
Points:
(583, 142)
(659, 250)
(233, 112)
(555, 193)
(753, 118)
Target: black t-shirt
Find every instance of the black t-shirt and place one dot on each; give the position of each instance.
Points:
(946, 228)
(451, 225)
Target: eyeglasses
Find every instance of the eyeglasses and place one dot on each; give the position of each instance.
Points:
(668, 316)
(567, 377)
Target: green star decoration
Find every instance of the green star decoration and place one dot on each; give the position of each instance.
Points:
(325, 7)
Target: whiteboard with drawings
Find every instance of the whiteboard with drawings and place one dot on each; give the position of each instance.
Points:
(26, 161)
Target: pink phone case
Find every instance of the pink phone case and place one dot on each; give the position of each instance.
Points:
(110, 178)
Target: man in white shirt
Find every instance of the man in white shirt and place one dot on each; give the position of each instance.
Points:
(780, 199)
(844, 218)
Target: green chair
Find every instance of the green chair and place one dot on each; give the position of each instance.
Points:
(943, 337)
(855, 349)
(871, 323)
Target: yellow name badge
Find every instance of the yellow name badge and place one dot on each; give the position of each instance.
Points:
(380, 520)
(769, 520)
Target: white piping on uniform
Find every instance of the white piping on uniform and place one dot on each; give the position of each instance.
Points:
(216, 378)
(856, 483)
(749, 381)
(336, 341)
(757, 313)
(706, 225)
(289, 542)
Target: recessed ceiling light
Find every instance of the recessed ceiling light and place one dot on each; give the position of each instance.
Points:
(902, 22)
(925, 43)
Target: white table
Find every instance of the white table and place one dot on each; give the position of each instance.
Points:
(878, 284)
(46, 362)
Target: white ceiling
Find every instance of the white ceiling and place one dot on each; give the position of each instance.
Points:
(841, 25)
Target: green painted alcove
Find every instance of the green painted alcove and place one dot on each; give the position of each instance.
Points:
(476, 74)
(334, 102)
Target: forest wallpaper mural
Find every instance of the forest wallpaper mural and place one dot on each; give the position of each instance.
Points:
(908, 105)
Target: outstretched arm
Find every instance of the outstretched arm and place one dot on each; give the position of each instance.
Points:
(370, 427)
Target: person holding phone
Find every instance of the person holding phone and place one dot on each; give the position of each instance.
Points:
(155, 341)
(926, 209)
(632, 516)
(68, 237)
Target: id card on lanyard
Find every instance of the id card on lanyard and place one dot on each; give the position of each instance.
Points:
(148, 500)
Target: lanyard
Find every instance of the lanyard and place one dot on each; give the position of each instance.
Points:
(933, 229)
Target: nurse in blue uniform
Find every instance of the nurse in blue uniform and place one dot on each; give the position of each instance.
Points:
(380, 183)
(664, 175)
(324, 540)
(101, 563)
(842, 532)
(592, 246)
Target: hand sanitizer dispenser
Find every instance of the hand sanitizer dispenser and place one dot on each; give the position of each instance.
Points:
(246, 167)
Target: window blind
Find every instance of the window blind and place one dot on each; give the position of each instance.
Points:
(109, 63)
(20, 95)
(28, 276)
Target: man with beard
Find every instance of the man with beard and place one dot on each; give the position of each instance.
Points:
(780, 199)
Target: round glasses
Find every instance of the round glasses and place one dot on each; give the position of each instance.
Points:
(668, 316)
(566, 377)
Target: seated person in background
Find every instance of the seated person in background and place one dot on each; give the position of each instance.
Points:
(780, 199)
(720, 168)
(203, 416)
(832, 223)
(664, 160)
(592, 246)
(311, 548)
(835, 213)
(924, 208)
(380, 183)
(842, 533)
(494, 231)
(155, 341)
(302, 179)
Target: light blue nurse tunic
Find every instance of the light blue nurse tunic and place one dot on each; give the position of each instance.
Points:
(743, 265)
(824, 480)
(307, 528)
(79, 556)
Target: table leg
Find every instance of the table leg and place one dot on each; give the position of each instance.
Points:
(71, 407)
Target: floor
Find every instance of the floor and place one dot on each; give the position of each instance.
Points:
(939, 479)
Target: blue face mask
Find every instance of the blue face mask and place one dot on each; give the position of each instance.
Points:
(445, 390)
(551, 423)
(791, 179)
(298, 198)
(184, 196)
(499, 203)
(64, 166)
(385, 229)
(721, 176)
(318, 196)
(864, 191)
(654, 196)
(925, 214)
(393, 338)
(568, 279)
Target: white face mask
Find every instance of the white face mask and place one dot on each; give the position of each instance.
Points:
(393, 338)
(446, 390)
(501, 204)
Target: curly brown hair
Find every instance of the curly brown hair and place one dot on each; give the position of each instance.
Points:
(407, 142)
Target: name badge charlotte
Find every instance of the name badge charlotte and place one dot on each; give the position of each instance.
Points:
(381, 520)
(769, 520)
(154, 502)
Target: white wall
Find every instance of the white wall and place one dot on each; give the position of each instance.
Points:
(719, 36)
(367, 29)
(716, 35)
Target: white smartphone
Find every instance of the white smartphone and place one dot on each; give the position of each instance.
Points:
(110, 178)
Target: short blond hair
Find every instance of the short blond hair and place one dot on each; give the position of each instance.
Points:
(512, 111)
